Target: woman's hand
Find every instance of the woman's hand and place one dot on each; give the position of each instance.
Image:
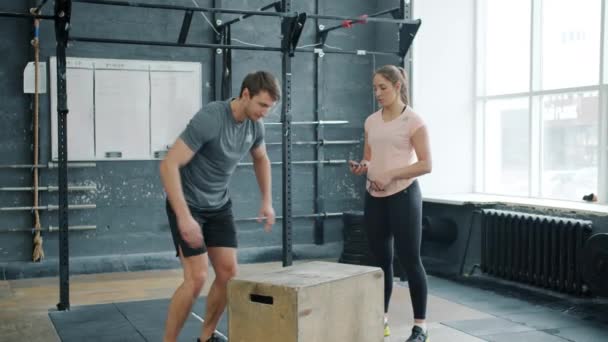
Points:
(380, 183)
(358, 168)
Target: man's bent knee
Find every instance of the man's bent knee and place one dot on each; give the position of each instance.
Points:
(225, 273)
(195, 282)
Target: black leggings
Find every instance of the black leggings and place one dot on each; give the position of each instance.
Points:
(398, 216)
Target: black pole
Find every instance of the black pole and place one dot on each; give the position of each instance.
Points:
(286, 140)
(403, 13)
(319, 228)
(218, 60)
(62, 26)
(39, 8)
(183, 34)
(227, 69)
(406, 37)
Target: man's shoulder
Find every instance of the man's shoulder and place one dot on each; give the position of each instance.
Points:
(213, 107)
(212, 112)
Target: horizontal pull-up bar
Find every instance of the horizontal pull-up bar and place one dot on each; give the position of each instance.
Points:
(303, 162)
(350, 52)
(49, 188)
(26, 15)
(183, 8)
(224, 46)
(210, 10)
(362, 20)
(321, 122)
(368, 19)
(233, 11)
(318, 143)
(156, 43)
(326, 215)
(392, 11)
(50, 207)
(50, 165)
(50, 229)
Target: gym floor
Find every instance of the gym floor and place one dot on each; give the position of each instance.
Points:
(456, 312)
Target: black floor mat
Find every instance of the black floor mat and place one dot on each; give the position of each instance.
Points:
(129, 321)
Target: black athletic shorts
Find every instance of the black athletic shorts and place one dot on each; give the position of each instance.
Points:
(217, 225)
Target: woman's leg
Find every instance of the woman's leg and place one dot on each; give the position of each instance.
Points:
(380, 241)
(405, 221)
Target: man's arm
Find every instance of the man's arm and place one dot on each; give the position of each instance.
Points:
(261, 165)
(178, 156)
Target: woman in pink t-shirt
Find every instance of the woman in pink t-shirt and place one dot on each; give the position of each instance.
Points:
(396, 152)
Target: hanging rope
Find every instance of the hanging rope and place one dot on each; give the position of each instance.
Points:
(38, 253)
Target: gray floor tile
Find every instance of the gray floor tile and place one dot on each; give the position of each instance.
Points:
(487, 326)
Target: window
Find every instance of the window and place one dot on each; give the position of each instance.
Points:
(539, 98)
(570, 43)
(506, 52)
(507, 142)
(569, 145)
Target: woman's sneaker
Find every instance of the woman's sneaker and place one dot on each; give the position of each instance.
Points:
(418, 335)
(387, 330)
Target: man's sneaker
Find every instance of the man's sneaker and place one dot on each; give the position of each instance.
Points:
(214, 338)
(418, 335)
(387, 330)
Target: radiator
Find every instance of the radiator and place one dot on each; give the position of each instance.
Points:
(539, 250)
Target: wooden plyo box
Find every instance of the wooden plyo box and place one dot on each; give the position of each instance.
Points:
(311, 302)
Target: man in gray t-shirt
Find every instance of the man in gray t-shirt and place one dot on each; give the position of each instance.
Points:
(195, 174)
(225, 140)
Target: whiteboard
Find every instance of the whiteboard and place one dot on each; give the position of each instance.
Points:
(122, 114)
(125, 109)
(171, 107)
(80, 116)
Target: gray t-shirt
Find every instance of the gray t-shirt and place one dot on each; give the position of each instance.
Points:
(219, 142)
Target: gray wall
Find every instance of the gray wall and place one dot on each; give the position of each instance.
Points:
(132, 230)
